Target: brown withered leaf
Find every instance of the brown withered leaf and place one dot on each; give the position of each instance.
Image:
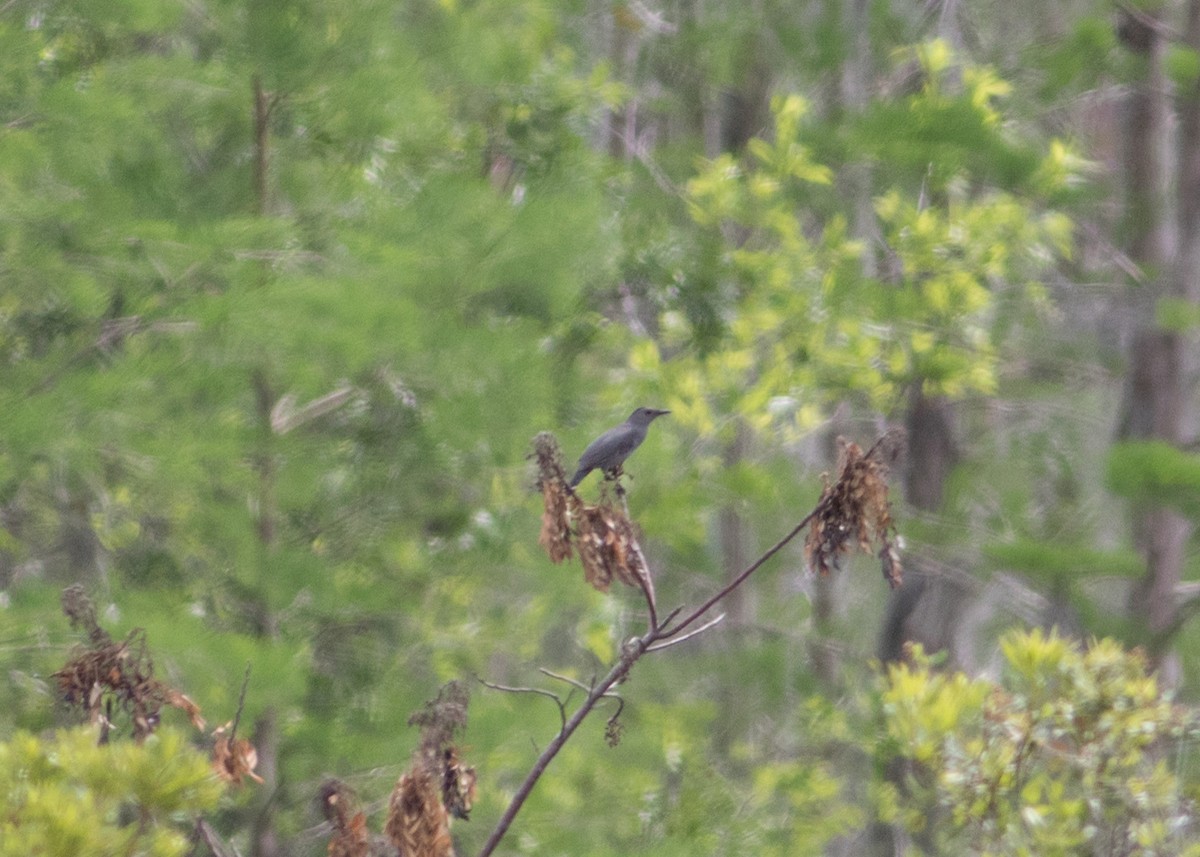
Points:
(458, 785)
(855, 510)
(555, 536)
(594, 538)
(438, 756)
(106, 676)
(417, 823)
(233, 759)
(609, 549)
(340, 807)
(353, 841)
(183, 703)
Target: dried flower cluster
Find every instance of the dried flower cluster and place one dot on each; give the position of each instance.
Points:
(340, 807)
(603, 535)
(608, 548)
(440, 720)
(436, 786)
(552, 481)
(855, 509)
(234, 758)
(418, 823)
(105, 676)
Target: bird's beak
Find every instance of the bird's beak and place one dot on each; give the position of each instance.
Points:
(659, 413)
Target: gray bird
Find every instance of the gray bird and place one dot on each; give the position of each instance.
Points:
(609, 451)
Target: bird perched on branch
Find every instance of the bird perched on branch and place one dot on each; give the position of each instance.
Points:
(609, 451)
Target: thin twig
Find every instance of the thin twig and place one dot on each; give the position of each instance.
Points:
(675, 640)
(237, 718)
(628, 657)
(562, 705)
(567, 679)
(666, 620)
(667, 633)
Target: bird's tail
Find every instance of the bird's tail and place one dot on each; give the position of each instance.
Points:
(579, 474)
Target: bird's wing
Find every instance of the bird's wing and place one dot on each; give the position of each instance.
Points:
(615, 443)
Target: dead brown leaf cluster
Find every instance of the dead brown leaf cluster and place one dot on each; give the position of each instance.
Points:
(418, 823)
(555, 537)
(340, 806)
(855, 510)
(436, 787)
(603, 535)
(106, 676)
(608, 548)
(234, 759)
(440, 720)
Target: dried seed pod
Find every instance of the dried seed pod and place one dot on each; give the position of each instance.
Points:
(855, 509)
(340, 807)
(458, 784)
(608, 548)
(417, 823)
(233, 759)
(555, 537)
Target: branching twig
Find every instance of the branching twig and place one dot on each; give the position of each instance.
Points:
(629, 656)
(561, 703)
(567, 679)
(658, 647)
(631, 653)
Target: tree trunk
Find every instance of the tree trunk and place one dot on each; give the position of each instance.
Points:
(932, 451)
(264, 837)
(262, 115)
(1155, 394)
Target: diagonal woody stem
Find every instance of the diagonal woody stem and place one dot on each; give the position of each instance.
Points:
(682, 624)
(632, 652)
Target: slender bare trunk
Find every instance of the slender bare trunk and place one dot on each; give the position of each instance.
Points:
(262, 115)
(1155, 393)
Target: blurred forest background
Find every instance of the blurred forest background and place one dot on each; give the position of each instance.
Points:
(288, 286)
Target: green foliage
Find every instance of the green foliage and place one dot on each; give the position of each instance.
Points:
(292, 440)
(1079, 60)
(1176, 314)
(781, 306)
(1062, 563)
(63, 795)
(1153, 471)
(296, 438)
(1071, 752)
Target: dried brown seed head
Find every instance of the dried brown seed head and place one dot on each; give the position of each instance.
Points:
(417, 823)
(855, 510)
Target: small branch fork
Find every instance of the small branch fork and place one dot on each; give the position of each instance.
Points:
(659, 635)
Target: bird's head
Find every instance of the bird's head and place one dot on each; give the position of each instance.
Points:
(645, 416)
